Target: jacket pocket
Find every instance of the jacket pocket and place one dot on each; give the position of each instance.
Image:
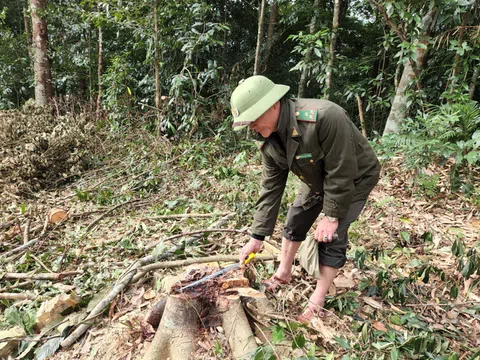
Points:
(309, 158)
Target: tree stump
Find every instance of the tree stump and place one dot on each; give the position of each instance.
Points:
(219, 301)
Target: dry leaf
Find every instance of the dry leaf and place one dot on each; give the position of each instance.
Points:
(373, 303)
(327, 332)
(343, 282)
(6, 347)
(149, 294)
(51, 310)
(379, 326)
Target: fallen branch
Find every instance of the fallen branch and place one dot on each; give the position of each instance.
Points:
(19, 249)
(98, 309)
(218, 258)
(125, 279)
(196, 232)
(17, 296)
(26, 231)
(39, 262)
(29, 339)
(94, 222)
(43, 276)
(17, 285)
(443, 304)
(173, 216)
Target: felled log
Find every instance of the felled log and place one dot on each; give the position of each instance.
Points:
(42, 276)
(237, 328)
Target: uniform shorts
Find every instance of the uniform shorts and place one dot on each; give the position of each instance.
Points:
(300, 219)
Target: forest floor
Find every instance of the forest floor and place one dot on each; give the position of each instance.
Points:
(401, 294)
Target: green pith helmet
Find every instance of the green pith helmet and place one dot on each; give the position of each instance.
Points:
(252, 98)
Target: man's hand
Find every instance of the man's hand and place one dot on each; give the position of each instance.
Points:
(325, 230)
(253, 245)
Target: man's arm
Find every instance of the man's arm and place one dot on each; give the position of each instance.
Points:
(274, 180)
(336, 139)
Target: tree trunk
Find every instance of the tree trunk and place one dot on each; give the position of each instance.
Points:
(175, 337)
(271, 30)
(28, 27)
(237, 329)
(411, 71)
(181, 315)
(158, 90)
(360, 114)
(473, 82)
(100, 70)
(458, 58)
(43, 76)
(398, 70)
(333, 42)
(261, 17)
(308, 56)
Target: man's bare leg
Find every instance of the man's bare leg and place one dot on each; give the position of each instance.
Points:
(317, 299)
(289, 249)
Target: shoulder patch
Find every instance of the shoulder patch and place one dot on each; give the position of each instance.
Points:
(306, 115)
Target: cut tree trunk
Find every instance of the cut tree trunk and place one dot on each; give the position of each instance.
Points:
(237, 329)
(175, 337)
(219, 301)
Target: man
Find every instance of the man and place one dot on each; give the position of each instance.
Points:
(315, 140)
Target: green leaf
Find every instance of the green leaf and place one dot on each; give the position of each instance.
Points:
(13, 316)
(48, 349)
(394, 353)
(381, 345)
(454, 291)
(405, 236)
(343, 343)
(278, 334)
(472, 157)
(298, 342)
(427, 236)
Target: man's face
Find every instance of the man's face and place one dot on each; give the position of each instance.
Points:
(266, 124)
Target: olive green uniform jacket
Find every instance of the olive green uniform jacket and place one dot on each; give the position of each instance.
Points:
(327, 152)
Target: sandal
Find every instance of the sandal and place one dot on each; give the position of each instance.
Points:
(311, 310)
(274, 282)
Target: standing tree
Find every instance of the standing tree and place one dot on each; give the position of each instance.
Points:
(261, 16)
(158, 90)
(308, 57)
(333, 42)
(43, 76)
(100, 70)
(414, 63)
(270, 35)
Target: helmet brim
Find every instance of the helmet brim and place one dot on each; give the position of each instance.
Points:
(262, 105)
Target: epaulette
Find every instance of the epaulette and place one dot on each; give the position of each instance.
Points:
(306, 115)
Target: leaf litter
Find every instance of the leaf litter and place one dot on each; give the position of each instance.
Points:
(397, 291)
